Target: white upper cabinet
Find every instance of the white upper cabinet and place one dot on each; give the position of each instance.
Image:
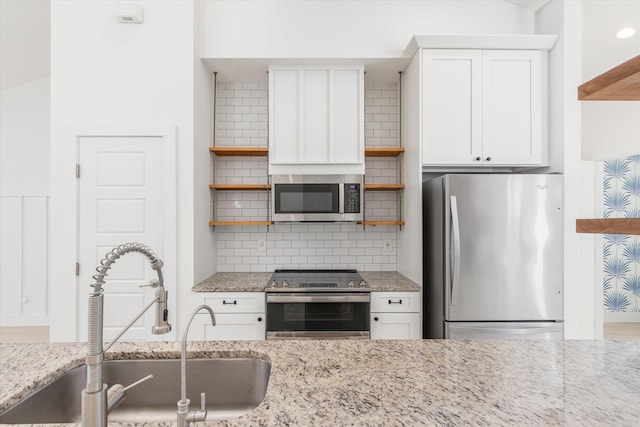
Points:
(482, 107)
(512, 108)
(316, 119)
(452, 104)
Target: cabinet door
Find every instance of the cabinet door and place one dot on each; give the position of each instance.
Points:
(284, 94)
(451, 107)
(316, 119)
(347, 116)
(512, 108)
(395, 326)
(235, 327)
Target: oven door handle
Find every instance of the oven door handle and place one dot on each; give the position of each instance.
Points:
(278, 298)
(318, 335)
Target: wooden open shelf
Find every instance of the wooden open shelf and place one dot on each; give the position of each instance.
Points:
(383, 152)
(214, 223)
(239, 151)
(609, 226)
(381, 222)
(383, 187)
(621, 83)
(240, 187)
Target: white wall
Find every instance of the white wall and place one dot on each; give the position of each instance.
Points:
(24, 161)
(204, 237)
(24, 190)
(347, 28)
(107, 73)
(610, 129)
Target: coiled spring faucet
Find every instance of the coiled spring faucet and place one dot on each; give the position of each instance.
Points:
(97, 401)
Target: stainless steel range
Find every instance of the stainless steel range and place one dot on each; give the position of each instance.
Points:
(318, 304)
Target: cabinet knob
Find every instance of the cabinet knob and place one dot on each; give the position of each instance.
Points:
(478, 158)
(259, 319)
(488, 159)
(375, 318)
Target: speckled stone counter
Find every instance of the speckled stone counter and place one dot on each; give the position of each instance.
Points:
(233, 282)
(497, 383)
(389, 281)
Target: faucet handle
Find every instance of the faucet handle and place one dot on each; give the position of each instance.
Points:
(195, 416)
(152, 284)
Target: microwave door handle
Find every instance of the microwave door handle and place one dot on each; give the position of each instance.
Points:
(341, 197)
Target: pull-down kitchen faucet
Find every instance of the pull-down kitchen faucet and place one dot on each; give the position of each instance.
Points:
(97, 401)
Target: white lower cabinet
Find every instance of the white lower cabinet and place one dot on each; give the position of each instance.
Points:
(395, 315)
(240, 316)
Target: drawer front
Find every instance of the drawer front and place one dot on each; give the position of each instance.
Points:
(236, 302)
(395, 302)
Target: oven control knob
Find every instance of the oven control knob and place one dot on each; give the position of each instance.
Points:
(285, 284)
(362, 284)
(273, 284)
(351, 284)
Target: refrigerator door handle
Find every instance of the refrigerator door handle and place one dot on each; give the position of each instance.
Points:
(455, 249)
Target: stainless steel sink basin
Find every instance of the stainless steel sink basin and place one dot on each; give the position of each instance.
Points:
(234, 387)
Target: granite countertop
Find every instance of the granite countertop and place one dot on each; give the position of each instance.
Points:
(233, 282)
(431, 382)
(389, 281)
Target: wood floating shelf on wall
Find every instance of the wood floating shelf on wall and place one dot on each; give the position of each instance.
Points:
(240, 187)
(383, 187)
(621, 83)
(381, 223)
(239, 151)
(214, 223)
(383, 152)
(609, 226)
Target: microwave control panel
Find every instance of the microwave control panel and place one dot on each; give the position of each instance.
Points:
(351, 198)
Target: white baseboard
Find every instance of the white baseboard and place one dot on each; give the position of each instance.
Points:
(12, 321)
(618, 317)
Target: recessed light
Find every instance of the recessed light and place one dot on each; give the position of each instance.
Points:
(626, 32)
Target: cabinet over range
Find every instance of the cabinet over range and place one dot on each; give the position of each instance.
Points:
(318, 304)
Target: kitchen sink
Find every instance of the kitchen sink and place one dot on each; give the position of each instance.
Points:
(234, 386)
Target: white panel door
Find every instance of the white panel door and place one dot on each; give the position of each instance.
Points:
(120, 200)
(452, 107)
(512, 97)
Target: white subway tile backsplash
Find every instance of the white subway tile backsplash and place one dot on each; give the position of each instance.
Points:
(242, 120)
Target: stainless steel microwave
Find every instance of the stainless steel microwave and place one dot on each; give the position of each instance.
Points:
(317, 198)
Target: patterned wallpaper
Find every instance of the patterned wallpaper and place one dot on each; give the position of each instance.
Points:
(621, 253)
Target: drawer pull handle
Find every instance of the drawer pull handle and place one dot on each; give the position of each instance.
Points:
(395, 302)
(224, 302)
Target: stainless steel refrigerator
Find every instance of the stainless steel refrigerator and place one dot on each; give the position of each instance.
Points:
(493, 256)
